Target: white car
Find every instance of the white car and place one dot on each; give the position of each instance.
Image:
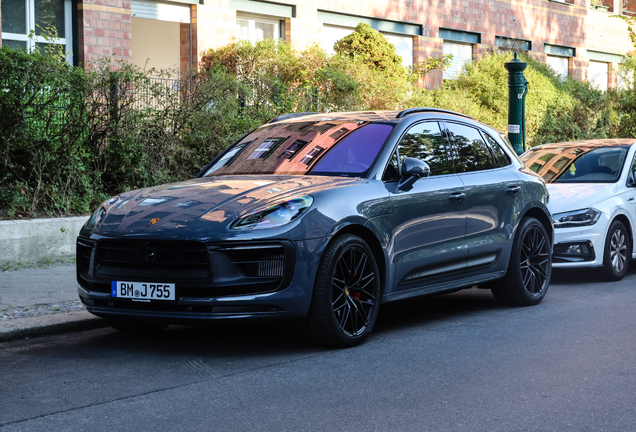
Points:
(592, 186)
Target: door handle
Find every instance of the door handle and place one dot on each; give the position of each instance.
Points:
(630, 199)
(457, 197)
(512, 190)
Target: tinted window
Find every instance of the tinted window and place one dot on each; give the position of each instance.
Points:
(470, 152)
(501, 159)
(297, 147)
(424, 141)
(392, 172)
(356, 152)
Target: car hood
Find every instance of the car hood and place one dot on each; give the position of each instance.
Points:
(205, 205)
(574, 196)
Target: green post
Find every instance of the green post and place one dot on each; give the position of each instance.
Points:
(517, 88)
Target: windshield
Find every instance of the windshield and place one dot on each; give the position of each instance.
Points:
(588, 163)
(333, 147)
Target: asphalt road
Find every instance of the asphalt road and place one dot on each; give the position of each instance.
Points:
(457, 362)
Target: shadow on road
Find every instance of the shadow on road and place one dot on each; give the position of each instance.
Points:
(237, 339)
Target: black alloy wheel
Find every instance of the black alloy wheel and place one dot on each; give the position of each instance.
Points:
(617, 252)
(534, 261)
(530, 267)
(346, 294)
(352, 304)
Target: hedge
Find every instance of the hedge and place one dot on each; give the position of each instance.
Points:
(70, 137)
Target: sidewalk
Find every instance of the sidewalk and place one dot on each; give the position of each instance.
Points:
(39, 301)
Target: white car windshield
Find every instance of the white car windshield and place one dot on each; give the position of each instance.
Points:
(584, 164)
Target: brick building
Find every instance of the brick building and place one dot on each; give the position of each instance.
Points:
(574, 36)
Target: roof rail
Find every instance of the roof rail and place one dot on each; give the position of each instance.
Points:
(435, 110)
(289, 116)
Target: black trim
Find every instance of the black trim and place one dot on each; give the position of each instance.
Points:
(560, 255)
(409, 111)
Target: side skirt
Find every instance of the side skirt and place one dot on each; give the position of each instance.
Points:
(444, 286)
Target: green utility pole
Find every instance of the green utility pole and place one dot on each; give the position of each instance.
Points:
(517, 90)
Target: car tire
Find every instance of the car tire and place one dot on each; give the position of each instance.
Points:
(530, 266)
(346, 294)
(135, 326)
(617, 252)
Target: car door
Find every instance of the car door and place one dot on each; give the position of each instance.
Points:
(429, 219)
(628, 191)
(493, 197)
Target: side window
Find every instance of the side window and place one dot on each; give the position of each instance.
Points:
(425, 142)
(501, 158)
(392, 172)
(633, 169)
(470, 152)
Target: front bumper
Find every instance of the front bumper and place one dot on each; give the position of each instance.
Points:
(590, 241)
(222, 296)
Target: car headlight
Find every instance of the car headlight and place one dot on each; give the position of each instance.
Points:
(274, 216)
(101, 211)
(576, 218)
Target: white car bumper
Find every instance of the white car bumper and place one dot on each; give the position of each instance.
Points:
(590, 239)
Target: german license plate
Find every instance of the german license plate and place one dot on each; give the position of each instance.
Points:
(142, 291)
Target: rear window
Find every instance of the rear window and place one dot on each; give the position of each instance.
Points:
(328, 147)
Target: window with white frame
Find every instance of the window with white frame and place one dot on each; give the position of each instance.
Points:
(462, 53)
(460, 45)
(559, 64)
(598, 74)
(558, 58)
(25, 24)
(255, 28)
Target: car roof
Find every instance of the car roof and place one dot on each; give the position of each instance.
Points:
(589, 144)
(389, 116)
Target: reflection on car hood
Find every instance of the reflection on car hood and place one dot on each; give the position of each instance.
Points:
(574, 196)
(206, 204)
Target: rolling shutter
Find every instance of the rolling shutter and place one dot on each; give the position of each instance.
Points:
(462, 53)
(559, 64)
(403, 46)
(332, 34)
(597, 74)
(160, 11)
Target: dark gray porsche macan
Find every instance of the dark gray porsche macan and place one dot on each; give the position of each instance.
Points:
(319, 219)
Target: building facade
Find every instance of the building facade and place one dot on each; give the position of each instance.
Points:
(575, 37)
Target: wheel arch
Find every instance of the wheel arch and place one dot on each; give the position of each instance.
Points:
(543, 218)
(372, 241)
(625, 221)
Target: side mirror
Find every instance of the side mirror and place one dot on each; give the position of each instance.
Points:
(412, 170)
(631, 181)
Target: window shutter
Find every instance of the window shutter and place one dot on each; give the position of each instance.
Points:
(559, 64)
(597, 74)
(462, 53)
(160, 11)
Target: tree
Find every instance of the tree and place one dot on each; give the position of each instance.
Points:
(371, 46)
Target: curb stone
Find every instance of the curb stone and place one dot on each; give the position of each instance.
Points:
(48, 324)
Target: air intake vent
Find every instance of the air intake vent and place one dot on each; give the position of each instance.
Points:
(259, 260)
(84, 250)
(149, 254)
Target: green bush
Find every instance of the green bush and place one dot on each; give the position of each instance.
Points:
(70, 137)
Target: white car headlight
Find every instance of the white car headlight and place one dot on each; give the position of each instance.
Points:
(274, 216)
(101, 211)
(576, 218)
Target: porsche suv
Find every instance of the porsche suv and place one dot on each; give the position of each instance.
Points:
(322, 218)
